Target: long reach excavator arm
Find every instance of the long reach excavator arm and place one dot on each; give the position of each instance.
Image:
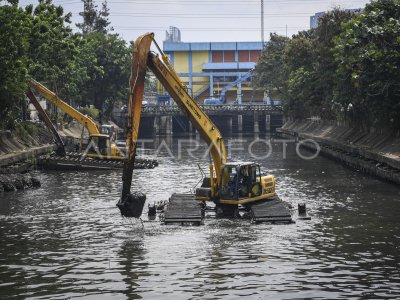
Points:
(52, 97)
(141, 59)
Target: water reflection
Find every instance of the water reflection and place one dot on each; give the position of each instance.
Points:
(133, 267)
(67, 238)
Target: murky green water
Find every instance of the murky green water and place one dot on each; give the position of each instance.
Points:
(67, 239)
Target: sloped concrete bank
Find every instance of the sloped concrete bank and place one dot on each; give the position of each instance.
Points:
(17, 156)
(376, 153)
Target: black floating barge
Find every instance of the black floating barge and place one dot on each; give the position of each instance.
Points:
(272, 210)
(75, 162)
(184, 209)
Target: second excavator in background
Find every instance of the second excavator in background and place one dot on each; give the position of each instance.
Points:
(101, 139)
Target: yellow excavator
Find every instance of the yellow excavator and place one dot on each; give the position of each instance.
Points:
(100, 144)
(230, 183)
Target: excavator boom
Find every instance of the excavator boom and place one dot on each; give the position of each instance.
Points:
(84, 120)
(207, 129)
(142, 58)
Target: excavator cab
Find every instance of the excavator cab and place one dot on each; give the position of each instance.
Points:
(108, 130)
(241, 182)
(99, 146)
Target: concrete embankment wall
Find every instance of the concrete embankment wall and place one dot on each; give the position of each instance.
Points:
(376, 153)
(13, 149)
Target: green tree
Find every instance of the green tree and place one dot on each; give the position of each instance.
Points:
(269, 71)
(303, 68)
(15, 26)
(94, 20)
(299, 101)
(80, 73)
(324, 63)
(368, 57)
(109, 80)
(52, 45)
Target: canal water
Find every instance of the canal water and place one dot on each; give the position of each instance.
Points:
(68, 240)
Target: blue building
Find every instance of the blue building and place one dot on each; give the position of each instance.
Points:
(213, 69)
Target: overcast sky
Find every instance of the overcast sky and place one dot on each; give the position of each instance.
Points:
(208, 20)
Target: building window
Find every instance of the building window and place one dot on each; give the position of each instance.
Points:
(223, 56)
(244, 56)
(229, 56)
(254, 55)
(217, 56)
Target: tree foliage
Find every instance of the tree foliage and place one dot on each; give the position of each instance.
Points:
(94, 20)
(346, 68)
(109, 81)
(269, 71)
(368, 56)
(88, 68)
(52, 48)
(15, 26)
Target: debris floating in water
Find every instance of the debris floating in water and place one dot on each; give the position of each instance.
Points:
(132, 205)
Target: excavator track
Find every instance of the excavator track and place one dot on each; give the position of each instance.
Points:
(75, 162)
(183, 209)
(272, 210)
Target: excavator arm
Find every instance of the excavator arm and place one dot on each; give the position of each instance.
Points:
(45, 118)
(142, 58)
(207, 129)
(84, 120)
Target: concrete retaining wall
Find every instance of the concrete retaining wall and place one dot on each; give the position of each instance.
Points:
(375, 153)
(28, 154)
(15, 150)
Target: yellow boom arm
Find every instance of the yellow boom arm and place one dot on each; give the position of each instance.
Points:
(84, 120)
(141, 58)
(207, 129)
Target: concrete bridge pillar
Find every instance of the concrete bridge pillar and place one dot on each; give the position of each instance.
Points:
(240, 123)
(256, 125)
(191, 128)
(163, 122)
(268, 123)
(230, 125)
(168, 125)
(197, 134)
(156, 125)
(211, 85)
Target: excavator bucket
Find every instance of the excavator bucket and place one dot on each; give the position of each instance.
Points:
(132, 205)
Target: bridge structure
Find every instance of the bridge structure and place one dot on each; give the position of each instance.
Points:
(244, 118)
